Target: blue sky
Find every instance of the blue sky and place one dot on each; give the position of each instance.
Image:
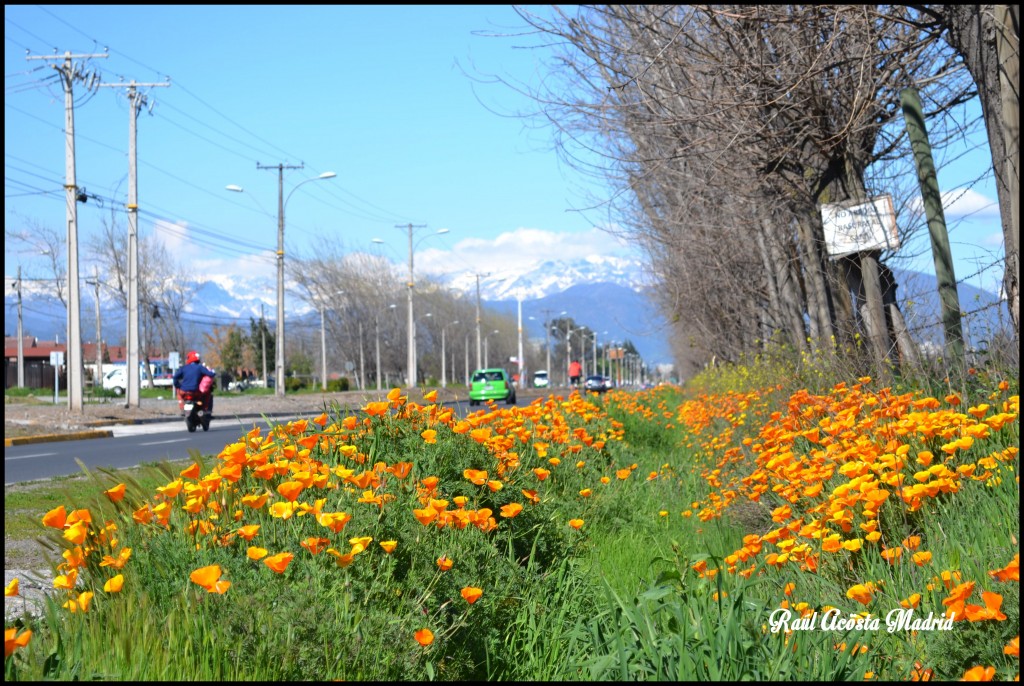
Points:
(377, 94)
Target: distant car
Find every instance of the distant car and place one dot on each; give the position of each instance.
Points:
(540, 378)
(491, 384)
(596, 383)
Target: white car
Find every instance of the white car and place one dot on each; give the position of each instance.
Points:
(540, 378)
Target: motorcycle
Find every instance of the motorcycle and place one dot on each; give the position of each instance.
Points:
(193, 405)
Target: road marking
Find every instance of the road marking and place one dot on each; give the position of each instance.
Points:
(25, 457)
(175, 440)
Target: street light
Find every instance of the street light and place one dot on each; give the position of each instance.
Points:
(411, 344)
(444, 377)
(282, 202)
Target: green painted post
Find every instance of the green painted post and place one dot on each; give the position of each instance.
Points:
(914, 118)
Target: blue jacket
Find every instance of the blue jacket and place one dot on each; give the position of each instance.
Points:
(187, 377)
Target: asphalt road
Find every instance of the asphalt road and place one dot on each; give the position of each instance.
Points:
(132, 445)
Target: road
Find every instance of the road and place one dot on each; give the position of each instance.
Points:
(132, 445)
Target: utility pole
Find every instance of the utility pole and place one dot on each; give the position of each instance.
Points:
(21, 345)
(478, 359)
(263, 337)
(362, 359)
(519, 356)
(411, 335)
(98, 375)
(279, 363)
(68, 73)
(547, 344)
(135, 102)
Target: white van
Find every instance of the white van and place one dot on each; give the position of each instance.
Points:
(540, 378)
(116, 380)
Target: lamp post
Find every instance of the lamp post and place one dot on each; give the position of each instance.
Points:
(444, 377)
(411, 333)
(282, 202)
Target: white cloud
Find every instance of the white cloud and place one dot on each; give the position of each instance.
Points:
(519, 249)
(963, 203)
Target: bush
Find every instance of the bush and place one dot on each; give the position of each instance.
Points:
(338, 385)
(293, 383)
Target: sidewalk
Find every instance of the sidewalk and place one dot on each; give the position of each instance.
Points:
(47, 423)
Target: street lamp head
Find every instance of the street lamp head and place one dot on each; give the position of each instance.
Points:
(376, 240)
(327, 175)
(443, 231)
(233, 187)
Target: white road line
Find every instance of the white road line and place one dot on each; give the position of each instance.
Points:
(25, 457)
(175, 440)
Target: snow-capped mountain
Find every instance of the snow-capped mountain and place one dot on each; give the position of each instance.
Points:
(549, 277)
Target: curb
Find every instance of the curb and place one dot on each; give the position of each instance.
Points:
(48, 438)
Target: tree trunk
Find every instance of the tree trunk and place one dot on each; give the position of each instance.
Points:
(987, 37)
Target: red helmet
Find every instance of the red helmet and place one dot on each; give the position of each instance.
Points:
(192, 356)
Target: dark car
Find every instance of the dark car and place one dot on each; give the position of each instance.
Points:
(492, 384)
(596, 383)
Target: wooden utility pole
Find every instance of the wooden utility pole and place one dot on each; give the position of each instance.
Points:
(69, 72)
(136, 100)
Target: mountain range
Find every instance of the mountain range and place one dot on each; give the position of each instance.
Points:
(607, 294)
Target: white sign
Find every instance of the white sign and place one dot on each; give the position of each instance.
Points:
(56, 358)
(173, 360)
(858, 228)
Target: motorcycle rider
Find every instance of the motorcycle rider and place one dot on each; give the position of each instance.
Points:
(187, 378)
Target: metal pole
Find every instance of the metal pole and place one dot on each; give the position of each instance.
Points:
(279, 363)
(362, 359)
(376, 324)
(411, 364)
(21, 349)
(263, 336)
(519, 355)
(323, 351)
(444, 378)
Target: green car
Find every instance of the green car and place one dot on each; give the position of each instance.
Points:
(491, 384)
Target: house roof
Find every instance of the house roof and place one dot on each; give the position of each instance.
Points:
(33, 348)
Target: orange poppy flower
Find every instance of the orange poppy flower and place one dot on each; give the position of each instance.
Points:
(314, 544)
(430, 396)
(979, 673)
(977, 613)
(56, 518)
(511, 509)
(376, 409)
(321, 420)
(114, 584)
(116, 494)
(576, 523)
(290, 490)
(279, 562)
(388, 546)
(424, 637)
(13, 640)
(445, 563)
(472, 594)
(209, 578)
